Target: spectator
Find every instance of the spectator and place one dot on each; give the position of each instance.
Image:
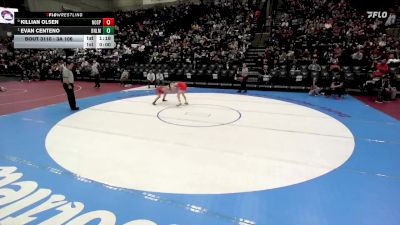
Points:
(151, 78)
(357, 58)
(159, 78)
(337, 85)
(381, 69)
(314, 89)
(386, 91)
(243, 79)
(314, 66)
(124, 77)
(391, 19)
(265, 74)
(95, 73)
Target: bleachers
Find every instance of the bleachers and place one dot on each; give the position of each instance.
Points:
(216, 75)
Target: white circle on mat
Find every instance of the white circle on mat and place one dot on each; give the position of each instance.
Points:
(274, 144)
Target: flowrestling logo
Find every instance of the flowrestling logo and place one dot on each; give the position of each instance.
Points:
(377, 14)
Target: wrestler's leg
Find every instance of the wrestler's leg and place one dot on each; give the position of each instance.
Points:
(155, 100)
(184, 96)
(179, 98)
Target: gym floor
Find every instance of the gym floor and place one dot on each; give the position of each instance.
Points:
(262, 157)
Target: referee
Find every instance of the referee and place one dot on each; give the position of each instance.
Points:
(68, 84)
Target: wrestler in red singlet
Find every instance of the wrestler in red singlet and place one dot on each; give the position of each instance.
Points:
(161, 90)
(181, 86)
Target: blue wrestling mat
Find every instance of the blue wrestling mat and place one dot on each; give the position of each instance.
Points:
(363, 189)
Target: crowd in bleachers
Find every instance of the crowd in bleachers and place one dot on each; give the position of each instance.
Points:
(332, 33)
(187, 33)
(311, 38)
(192, 35)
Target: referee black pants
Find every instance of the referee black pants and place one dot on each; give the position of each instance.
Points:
(70, 95)
(243, 85)
(97, 80)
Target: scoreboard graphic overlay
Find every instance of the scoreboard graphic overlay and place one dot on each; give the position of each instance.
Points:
(64, 30)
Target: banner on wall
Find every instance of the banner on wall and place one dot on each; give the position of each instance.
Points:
(7, 15)
(152, 2)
